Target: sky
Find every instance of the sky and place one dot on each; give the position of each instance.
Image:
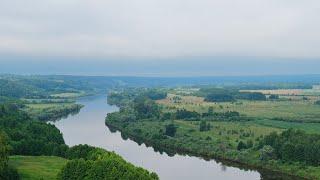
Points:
(160, 38)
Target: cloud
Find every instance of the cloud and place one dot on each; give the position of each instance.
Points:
(166, 28)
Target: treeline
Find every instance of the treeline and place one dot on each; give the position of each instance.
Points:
(122, 98)
(183, 114)
(88, 162)
(6, 172)
(41, 87)
(55, 113)
(293, 146)
(228, 95)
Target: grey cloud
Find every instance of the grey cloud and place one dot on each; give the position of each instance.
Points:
(160, 28)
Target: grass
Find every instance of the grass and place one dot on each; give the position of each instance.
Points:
(68, 95)
(37, 167)
(47, 105)
(231, 132)
(308, 127)
(294, 110)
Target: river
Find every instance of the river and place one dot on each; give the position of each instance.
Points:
(87, 127)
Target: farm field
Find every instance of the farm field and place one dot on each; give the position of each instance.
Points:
(37, 167)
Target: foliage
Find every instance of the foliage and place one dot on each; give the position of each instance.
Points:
(171, 130)
(266, 153)
(145, 108)
(6, 171)
(229, 95)
(52, 112)
(241, 145)
(95, 163)
(204, 126)
(155, 94)
(27, 136)
(273, 97)
(295, 145)
(185, 114)
(253, 96)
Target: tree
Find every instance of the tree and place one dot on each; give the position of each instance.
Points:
(6, 172)
(249, 144)
(171, 130)
(146, 108)
(204, 126)
(273, 97)
(241, 145)
(266, 153)
(210, 111)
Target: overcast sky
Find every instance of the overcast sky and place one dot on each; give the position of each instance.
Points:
(157, 33)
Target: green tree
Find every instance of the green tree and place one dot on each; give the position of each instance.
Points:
(204, 126)
(241, 145)
(266, 153)
(171, 130)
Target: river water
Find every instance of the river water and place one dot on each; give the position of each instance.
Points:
(88, 127)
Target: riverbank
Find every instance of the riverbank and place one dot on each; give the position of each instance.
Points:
(270, 170)
(85, 127)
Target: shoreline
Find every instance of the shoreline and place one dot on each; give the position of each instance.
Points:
(224, 160)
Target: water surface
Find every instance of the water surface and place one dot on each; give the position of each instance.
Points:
(88, 127)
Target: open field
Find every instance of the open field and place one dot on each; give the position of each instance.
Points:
(68, 95)
(37, 167)
(286, 110)
(231, 132)
(308, 127)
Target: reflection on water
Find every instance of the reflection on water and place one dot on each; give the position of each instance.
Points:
(88, 127)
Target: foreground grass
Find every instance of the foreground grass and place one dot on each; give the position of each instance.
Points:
(37, 167)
